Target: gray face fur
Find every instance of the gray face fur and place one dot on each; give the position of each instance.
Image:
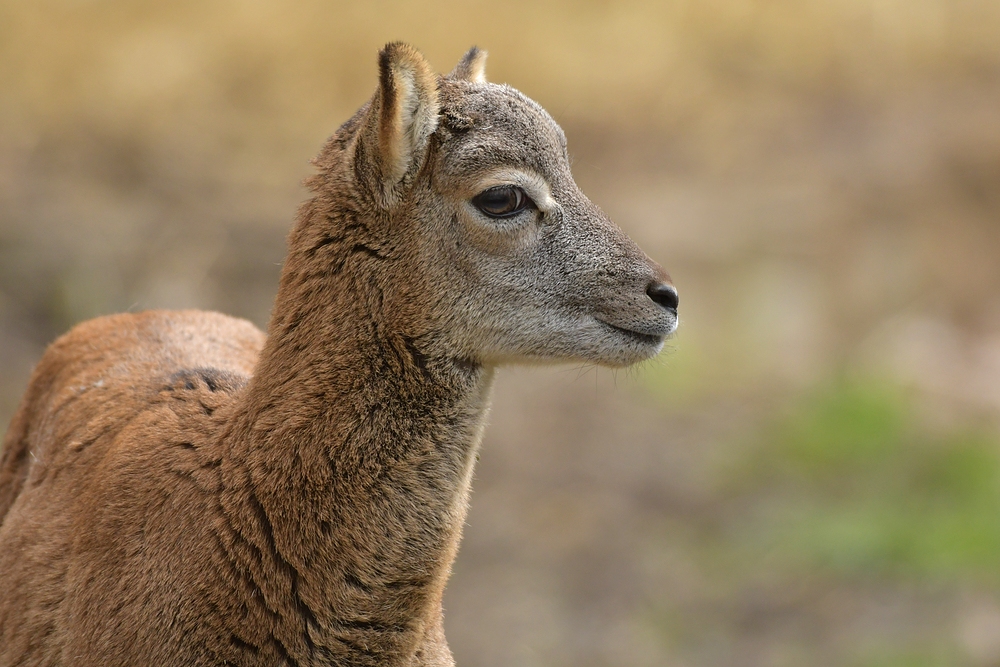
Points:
(556, 282)
(559, 281)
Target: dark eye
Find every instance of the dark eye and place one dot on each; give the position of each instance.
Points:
(502, 201)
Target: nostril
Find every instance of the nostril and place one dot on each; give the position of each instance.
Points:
(663, 294)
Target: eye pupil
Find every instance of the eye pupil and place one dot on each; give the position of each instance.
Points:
(501, 201)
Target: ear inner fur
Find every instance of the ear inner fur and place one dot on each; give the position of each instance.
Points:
(404, 111)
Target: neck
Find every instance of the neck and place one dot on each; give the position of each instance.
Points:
(352, 452)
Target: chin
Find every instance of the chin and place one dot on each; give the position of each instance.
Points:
(596, 343)
(624, 357)
(621, 352)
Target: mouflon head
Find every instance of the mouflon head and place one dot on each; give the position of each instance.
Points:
(452, 197)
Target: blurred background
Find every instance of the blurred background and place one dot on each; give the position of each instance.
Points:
(810, 475)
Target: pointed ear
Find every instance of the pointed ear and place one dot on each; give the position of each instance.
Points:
(400, 119)
(472, 66)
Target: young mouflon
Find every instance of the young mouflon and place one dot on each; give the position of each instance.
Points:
(177, 488)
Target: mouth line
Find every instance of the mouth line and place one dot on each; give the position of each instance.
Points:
(638, 336)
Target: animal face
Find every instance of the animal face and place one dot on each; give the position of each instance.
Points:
(513, 262)
(536, 270)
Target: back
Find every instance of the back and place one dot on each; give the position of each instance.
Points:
(144, 390)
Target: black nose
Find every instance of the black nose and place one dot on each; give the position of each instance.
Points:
(663, 294)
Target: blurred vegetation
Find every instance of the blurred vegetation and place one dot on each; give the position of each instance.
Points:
(853, 483)
(809, 476)
(845, 491)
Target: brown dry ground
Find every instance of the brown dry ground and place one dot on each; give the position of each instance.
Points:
(810, 476)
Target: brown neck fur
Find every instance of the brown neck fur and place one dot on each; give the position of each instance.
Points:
(354, 443)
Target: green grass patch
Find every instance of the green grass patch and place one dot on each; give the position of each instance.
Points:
(852, 482)
(923, 656)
